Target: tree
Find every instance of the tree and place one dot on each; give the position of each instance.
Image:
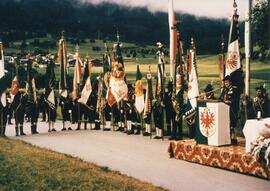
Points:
(260, 27)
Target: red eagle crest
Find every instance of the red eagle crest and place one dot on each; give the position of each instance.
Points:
(232, 60)
(207, 122)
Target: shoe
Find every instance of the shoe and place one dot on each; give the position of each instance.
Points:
(130, 132)
(105, 129)
(178, 138)
(49, 130)
(146, 134)
(234, 141)
(137, 133)
(63, 129)
(77, 129)
(22, 134)
(157, 137)
(96, 129)
(70, 129)
(53, 129)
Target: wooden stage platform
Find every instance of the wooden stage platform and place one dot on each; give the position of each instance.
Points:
(231, 158)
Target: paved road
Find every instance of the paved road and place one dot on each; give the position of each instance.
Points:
(141, 158)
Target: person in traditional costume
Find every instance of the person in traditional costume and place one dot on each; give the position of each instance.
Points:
(31, 105)
(92, 104)
(209, 92)
(18, 106)
(170, 112)
(65, 104)
(5, 79)
(158, 110)
(148, 105)
(261, 103)
(230, 97)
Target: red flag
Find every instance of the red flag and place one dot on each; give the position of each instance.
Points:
(14, 86)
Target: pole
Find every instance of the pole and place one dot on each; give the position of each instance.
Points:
(247, 46)
(2, 123)
(49, 118)
(171, 17)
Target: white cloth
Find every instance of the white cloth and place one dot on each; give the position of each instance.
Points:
(252, 130)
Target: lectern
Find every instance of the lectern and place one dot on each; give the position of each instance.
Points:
(212, 123)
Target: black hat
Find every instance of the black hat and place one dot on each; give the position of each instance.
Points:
(208, 88)
(261, 88)
(227, 78)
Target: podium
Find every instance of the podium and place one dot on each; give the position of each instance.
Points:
(212, 123)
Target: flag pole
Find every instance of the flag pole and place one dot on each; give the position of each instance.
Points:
(173, 37)
(247, 46)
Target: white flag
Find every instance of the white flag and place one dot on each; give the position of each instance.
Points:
(86, 92)
(76, 77)
(193, 86)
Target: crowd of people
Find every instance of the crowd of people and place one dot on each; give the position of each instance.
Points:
(122, 116)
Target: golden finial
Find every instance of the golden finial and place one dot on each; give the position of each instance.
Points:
(1, 46)
(62, 34)
(235, 7)
(192, 43)
(77, 47)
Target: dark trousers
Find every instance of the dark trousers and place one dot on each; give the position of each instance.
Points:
(171, 123)
(3, 122)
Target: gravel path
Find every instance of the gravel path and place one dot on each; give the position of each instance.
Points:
(141, 158)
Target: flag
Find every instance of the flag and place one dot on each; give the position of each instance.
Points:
(161, 68)
(173, 37)
(193, 85)
(50, 100)
(148, 97)
(14, 86)
(50, 81)
(62, 60)
(233, 63)
(87, 87)
(139, 96)
(76, 77)
(30, 85)
(117, 86)
(118, 89)
(86, 92)
(106, 60)
(2, 74)
(233, 55)
(106, 71)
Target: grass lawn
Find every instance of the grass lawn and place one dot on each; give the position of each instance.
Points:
(26, 167)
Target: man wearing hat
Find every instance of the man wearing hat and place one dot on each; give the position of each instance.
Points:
(230, 97)
(261, 103)
(209, 93)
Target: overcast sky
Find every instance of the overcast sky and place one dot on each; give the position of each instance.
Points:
(208, 8)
